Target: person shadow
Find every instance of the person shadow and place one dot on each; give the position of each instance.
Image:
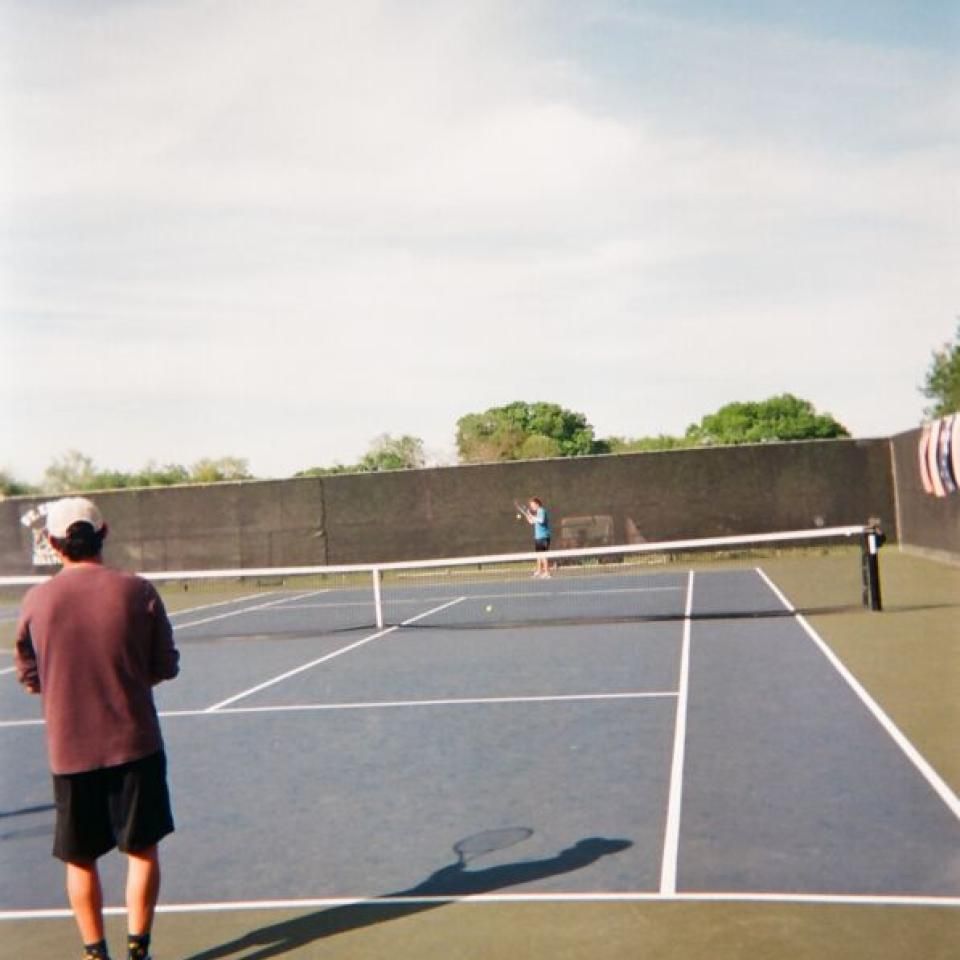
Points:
(44, 829)
(443, 886)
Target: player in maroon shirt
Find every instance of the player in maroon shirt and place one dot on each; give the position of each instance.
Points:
(93, 642)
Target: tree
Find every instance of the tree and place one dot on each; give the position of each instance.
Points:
(76, 472)
(942, 385)
(384, 453)
(161, 475)
(208, 470)
(522, 431)
(71, 472)
(10, 486)
(784, 417)
(337, 468)
(393, 453)
(646, 444)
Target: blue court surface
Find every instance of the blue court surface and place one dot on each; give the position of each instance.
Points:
(681, 751)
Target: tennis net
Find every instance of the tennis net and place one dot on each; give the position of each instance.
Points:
(736, 576)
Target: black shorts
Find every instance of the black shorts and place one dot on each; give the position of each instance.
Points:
(541, 545)
(126, 806)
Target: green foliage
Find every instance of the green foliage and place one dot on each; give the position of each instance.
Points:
(151, 475)
(942, 384)
(216, 471)
(337, 468)
(521, 431)
(154, 475)
(784, 417)
(76, 472)
(10, 486)
(646, 444)
(385, 453)
(539, 447)
(393, 453)
(516, 431)
(72, 472)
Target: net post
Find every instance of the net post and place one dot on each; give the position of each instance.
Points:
(377, 575)
(870, 542)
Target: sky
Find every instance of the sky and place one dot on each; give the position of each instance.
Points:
(278, 229)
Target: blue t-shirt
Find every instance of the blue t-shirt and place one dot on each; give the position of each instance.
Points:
(541, 524)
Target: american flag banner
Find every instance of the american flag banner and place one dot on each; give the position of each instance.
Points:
(945, 455)
(938, 455)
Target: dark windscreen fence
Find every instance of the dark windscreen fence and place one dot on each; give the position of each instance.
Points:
(468, 510)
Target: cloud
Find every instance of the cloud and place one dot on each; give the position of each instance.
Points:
(373, 218)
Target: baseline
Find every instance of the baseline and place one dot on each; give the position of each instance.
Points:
(237, 906)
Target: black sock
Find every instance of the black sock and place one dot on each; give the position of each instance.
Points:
(138, 945)
(96, 951)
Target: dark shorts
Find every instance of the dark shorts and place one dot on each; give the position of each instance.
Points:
(541, 545)
(126, 806)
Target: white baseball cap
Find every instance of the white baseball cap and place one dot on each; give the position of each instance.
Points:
(62, 514)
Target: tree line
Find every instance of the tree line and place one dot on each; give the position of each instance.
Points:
(517, 431)
(75, 471)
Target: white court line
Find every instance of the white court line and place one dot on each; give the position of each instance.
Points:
(7, 670)
(245, 610)
(337, 604)
(393, 601)
(938, 784)
(9, 724)
(825, 899)
(599, 591)
(563, 594)
(329, 656)
(443, 702)
(671, 840)
(390, 704)
(220, 603)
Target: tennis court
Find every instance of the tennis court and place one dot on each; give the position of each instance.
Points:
(619, 735)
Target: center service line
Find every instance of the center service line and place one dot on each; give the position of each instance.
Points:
(671, 840)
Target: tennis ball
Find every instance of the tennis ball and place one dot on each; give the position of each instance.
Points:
(489, 608)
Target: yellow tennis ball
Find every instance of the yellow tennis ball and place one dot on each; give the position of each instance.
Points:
(489, 608)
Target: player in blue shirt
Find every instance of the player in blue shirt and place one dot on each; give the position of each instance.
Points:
(539, 518)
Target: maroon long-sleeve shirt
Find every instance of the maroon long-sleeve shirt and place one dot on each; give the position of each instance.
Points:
(93, 642)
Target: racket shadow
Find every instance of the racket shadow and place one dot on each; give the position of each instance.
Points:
(443, 886)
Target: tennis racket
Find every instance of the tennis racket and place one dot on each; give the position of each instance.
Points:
(522, 511)
(489, 841)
